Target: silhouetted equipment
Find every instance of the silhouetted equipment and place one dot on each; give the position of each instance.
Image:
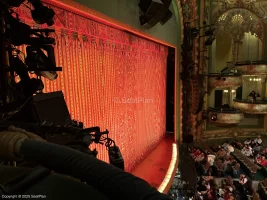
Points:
(22, 103)
(150, 7)
(115, 157)
(213, 116)
(45, 108)
(167, 17)
(209, 32)
(153, 12)
(210, 40)
(188, 138)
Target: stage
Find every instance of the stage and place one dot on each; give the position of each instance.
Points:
(155, 166)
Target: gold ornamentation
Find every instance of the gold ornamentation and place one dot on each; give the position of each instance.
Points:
(252, 69)
(224, 82)
(227, 118)
(251, 108)
(232, 133)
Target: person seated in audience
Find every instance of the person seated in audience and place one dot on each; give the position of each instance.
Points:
(200, 158)
(207, 178)
(257, 157)
(225, 144)
(211, 194)
(225, 193)
(247, 150)
(230, 148)
(264, 152)
(229, 181)
(253, 144)
(221, 153)
(196, 153)
(236, 170)
(256, 196)
(237, 144)
(247, 141)
(211, 159)
(220, 169)
(256, 148)
(258, 140)
(243, 179)
(262, 161)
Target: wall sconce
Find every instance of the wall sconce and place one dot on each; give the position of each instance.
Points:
(233, 91)
(225, 91)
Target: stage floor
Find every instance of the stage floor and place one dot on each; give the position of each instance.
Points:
(155, 166)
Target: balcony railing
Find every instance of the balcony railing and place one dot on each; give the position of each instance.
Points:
(249, 62)
(224, 110)
(225, 116)
(264, 101)
(251, 107)
(251, 67)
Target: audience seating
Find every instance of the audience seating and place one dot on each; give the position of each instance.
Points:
(263, 189)
(246, 163)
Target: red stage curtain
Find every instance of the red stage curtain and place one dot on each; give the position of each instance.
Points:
(111, 79)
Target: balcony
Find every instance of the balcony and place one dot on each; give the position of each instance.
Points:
(222, 81)
(225, 116)
(247, 106)
(251, 67)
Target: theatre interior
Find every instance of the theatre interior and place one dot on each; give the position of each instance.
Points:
(171, 91)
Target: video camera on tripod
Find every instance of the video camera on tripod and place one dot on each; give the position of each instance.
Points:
(40, 60)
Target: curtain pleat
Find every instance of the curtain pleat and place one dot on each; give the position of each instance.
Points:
(110, 79)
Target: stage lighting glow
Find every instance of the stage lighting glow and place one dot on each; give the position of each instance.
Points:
(171, 170)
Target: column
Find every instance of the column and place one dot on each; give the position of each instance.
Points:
(230, 96)
(264, 44)
(263, 93)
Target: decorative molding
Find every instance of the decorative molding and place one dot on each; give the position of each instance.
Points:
(189, 8)
(84, 11)
(180, 10)
(251, 108)
(224, 82)
(239, 17)
(260, 69)
(233, 133)
(189, 12)
(239, 4)
(226, 119)
(237, 22)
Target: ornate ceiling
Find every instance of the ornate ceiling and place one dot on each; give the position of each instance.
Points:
(237, 17)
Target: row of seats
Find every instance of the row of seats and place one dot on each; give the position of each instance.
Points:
(263, 189)
(247, 162)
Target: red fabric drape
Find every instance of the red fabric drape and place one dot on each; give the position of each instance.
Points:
(111, 79)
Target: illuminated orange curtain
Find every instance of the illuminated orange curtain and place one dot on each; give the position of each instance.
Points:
(111, 79)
